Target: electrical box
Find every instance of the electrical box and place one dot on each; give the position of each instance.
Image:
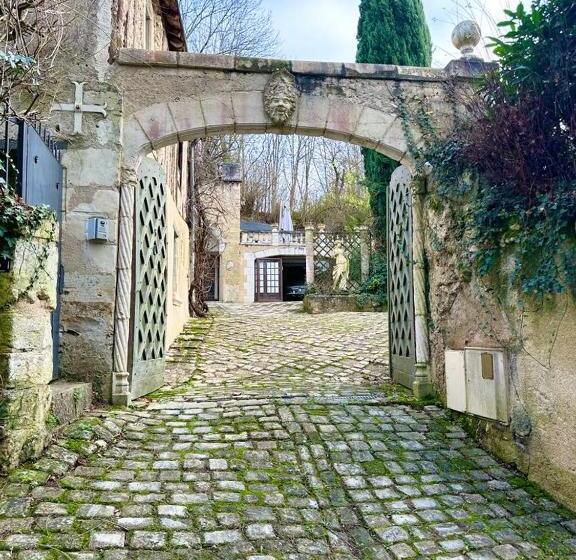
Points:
(476, 382)
(97, 229)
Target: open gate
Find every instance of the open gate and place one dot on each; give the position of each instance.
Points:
(400, 279)
(148, 329)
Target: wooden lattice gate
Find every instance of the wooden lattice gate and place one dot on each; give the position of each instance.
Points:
(150, 281)
(400, 279)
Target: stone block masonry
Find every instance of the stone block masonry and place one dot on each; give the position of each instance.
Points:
(27, 298)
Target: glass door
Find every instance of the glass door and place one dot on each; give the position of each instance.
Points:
(268, 280)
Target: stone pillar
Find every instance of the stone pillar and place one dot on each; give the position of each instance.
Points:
(228, 194)
(309, 242)
(364, 252)
(120, 377)
(422, 385)
(275, 236)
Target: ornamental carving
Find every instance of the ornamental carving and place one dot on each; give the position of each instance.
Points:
(280, 97)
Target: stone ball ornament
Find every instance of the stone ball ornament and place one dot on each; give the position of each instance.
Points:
(280, 97)
(466, 37)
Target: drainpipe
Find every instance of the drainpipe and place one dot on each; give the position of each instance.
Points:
(309, 243)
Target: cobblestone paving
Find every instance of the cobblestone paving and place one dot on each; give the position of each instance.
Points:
(278, 348)
(284, 477)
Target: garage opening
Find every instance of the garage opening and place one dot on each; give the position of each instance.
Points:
(293, 278)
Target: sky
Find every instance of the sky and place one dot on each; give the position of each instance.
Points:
(325, 30)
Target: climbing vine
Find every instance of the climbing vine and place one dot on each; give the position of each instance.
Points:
(507, 171)
(19, 220)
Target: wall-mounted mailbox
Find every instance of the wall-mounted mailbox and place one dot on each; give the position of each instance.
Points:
(97, 229)
(476, 382)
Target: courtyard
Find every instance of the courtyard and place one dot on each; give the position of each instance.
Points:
(279, 436)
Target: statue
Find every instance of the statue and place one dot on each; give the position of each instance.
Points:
(341, 269)
(280, 97)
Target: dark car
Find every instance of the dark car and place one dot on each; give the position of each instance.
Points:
(296, 292)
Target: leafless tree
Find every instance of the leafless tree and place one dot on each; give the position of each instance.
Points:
(232, 27)
(225, 27)
(295, 169)
(31, 33)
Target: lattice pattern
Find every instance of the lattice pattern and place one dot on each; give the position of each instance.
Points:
(324, 246)
(151, 272)
(401, 304)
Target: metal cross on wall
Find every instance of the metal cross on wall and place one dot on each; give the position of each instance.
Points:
(79, 107)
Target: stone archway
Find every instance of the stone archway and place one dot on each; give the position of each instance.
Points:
(175, 97)
(162, 124)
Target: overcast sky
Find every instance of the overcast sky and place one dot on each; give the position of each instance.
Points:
(326, 29)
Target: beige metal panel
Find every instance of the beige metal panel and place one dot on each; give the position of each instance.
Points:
(486, 383)
(455, 368)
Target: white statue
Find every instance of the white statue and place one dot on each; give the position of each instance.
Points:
(341, 269)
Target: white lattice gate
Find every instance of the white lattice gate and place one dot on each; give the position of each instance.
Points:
(150, 281)
(400, 279)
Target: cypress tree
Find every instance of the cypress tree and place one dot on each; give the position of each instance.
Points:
(389, 32)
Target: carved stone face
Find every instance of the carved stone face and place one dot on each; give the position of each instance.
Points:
(280, 97)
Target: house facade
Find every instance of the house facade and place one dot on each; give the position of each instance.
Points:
(253, 261)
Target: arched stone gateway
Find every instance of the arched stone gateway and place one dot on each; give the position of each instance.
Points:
(174, 97)
(154, 99)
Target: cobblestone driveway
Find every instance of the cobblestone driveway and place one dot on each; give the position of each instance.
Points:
(295, 468)
(276, 348)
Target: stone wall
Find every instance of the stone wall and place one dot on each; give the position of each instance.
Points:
(227, 201)
(540, 344)
(321, 303)
(93, 160)
(26, 347)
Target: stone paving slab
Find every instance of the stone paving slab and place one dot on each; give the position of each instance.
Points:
(340, 476)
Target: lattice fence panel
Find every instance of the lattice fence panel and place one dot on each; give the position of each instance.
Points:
(401, 302)
(150, 270)
(324, 248)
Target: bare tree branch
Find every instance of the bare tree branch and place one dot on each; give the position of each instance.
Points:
(231, 27)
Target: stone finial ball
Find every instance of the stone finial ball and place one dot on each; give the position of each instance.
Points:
(466, 36)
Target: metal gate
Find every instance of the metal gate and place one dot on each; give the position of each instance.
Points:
(150, 281)
(268, 280)
(400, 279)
(38, 181)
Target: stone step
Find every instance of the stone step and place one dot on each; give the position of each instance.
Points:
(70, 400)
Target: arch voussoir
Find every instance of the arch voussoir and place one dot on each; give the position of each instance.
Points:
(218, 113)
(188, 118)
(158, 125)
(312, 115)
(249, 115)
(342, 120)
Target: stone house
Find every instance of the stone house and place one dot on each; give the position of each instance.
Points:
(252, 261)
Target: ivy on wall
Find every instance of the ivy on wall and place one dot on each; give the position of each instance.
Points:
(508, 170)
(19, 220)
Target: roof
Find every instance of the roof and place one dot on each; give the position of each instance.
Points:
(170, 10)
(254, 226)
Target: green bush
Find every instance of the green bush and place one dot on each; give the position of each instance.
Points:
(509, 174)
